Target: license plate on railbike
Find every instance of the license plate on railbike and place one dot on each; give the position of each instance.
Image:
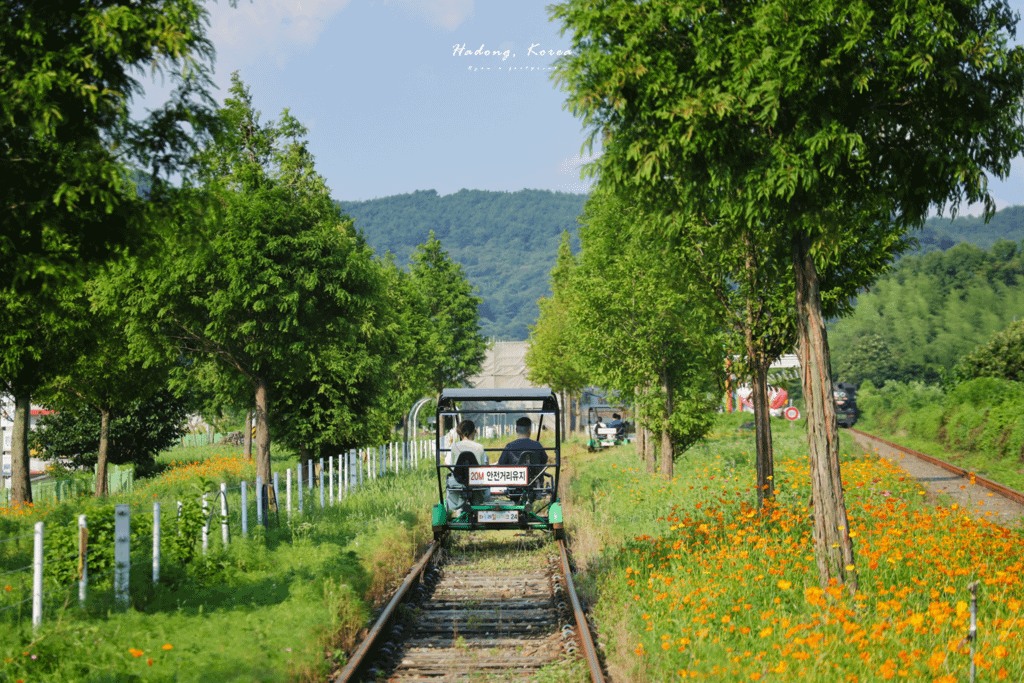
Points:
(497, 516)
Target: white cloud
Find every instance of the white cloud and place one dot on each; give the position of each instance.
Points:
(572, 165)
(444, 13)
(243, 34)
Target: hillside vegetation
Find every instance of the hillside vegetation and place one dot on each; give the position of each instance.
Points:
(505, 241)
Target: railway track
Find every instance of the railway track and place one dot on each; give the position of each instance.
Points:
(946, 478)
(479, 607)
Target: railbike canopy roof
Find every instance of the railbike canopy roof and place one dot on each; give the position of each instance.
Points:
(449, 396)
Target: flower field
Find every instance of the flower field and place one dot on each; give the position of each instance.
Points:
(711, 588)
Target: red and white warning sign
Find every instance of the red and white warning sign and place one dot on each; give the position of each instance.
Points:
(791, 413)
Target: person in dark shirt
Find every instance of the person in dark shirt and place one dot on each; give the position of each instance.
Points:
(511, 453)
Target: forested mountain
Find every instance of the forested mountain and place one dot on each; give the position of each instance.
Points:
(919, 319)
(941, 233)
(505, 241)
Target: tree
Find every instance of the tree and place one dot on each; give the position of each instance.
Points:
(551, 359)
(815, 121)
(100, 371)
(636, 327)
(453, 348)
(139, 431)
(263, 274)
(1002, 356)
(66, 133)
(33, 349)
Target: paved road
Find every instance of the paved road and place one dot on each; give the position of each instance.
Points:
(945, 487)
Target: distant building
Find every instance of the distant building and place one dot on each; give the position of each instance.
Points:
(504, 367)
(7, 426)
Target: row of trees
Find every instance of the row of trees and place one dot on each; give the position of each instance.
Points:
(244, 286)
(798, 142)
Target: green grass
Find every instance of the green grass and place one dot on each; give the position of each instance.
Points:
(280, 605)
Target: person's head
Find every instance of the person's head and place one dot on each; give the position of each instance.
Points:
(466, 429)
(616, 416)
(523, 426)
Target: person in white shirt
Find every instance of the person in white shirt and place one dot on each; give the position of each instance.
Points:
(467, 433)
(466, 443)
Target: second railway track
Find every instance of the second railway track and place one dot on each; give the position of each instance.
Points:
(486, 609)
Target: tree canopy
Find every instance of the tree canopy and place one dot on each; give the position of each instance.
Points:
(66, 133)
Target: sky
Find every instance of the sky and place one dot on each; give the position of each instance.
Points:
(396, 98)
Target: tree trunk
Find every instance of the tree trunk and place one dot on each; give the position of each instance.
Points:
(579, 412)
(263, 440)
(101, 456)
(21, 483)
(247, 437)
(641, 441)
(833, 548)
(649, 451)
(667, 452)
(762, 433)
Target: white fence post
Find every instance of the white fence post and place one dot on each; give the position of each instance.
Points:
(288, 493)
(224, 512)
(309, 474)
(321, 480)
(37, 577)
(181, 507)
(156, 543)
(122, 552)
(206, 524)
(330, 478)
(83, 558)
(298, 485)
(245, 510)
(277, 498)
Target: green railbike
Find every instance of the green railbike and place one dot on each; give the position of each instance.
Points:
(519, 493)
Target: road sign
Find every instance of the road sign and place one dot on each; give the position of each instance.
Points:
(791, 413)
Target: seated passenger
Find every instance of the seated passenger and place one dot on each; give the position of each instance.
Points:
(464, 452)
(514, 450)
(619, 425)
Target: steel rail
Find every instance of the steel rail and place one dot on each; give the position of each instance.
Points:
(1004, 491)
(596, 674)
(356, 662)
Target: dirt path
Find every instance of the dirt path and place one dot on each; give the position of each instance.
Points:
(945, 487)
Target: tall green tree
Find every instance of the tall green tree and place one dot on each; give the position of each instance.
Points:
(264, 275)
(551, 359)
(818, 119)
(453, 348)
(66, 134)
(636, 326)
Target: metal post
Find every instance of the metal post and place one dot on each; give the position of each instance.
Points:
(972, 635)
(330, 479)
(156, 543)
(224, 512)
(321, 483)
(288, 493)
(206, 524)
(298, 485)
(359, 461)
(37, 577)
(122, 552)
(277, 499)
(83, 559)
(245, 510)
(181, 507)
(309, 478)
(259, 500)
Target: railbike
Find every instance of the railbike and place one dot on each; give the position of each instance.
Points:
(522, 493)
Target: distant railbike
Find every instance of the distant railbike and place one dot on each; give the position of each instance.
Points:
(520, 493)
(846, 404)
